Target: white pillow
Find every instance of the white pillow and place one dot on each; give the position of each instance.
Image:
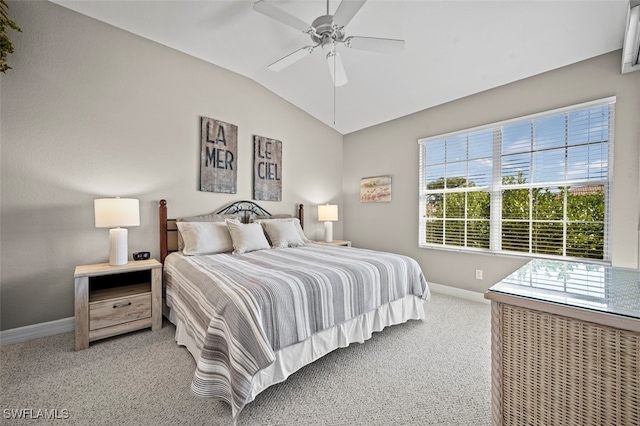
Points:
(296, 223)
(282, 233)
(246, 237)
(205, 237)
(210, 217)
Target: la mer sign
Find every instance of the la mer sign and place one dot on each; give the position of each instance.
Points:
(218, 156)
(267, 169)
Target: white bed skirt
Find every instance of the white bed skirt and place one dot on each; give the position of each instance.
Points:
(292, 358)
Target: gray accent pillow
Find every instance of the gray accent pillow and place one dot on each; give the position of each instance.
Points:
(246, 237)
(282, 233)
(296, 223)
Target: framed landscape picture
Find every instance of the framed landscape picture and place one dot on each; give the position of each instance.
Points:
(375, 189)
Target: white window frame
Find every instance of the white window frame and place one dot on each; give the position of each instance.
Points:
(496, 188)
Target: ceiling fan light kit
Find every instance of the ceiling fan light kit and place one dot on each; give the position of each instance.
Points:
(327, 31)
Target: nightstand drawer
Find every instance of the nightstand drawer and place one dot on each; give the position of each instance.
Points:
(110, 312)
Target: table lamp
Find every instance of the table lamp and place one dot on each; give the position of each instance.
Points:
(328, 214)
(116, 213)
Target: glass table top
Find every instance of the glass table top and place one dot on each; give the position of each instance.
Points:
(596, 287)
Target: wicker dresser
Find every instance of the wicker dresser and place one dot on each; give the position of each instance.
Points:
(566, 345)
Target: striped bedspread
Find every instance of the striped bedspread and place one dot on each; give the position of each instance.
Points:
(249, 306)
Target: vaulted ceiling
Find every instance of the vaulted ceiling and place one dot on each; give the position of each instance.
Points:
(453, 48)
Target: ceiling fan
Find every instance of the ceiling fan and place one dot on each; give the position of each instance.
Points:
(327, 31)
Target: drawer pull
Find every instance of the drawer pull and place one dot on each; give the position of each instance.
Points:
(121, 305)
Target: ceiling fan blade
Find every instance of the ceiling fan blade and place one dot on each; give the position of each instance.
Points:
(346, 11)
(280, 15)
(281, 64)
(373, 44)
(337, 69)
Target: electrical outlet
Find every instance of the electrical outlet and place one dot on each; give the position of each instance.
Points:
(478, 274)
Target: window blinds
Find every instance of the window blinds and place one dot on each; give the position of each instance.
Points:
(536, 185)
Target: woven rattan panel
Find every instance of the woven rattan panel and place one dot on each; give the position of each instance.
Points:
(560, 371)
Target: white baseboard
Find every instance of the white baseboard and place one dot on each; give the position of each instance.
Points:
(458, 292)
(29, 332)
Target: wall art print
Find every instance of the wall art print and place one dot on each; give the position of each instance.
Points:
(375, 189)
(218, 156)
(267, 169)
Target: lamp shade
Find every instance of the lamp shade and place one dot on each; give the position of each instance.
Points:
(328, 213)
(116, 212)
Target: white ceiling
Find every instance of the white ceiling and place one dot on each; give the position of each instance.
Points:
(453, 48)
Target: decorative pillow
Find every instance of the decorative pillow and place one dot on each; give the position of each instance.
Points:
(204, 237)
(296, 223)
(246, 237)
(282, 233)
(210, 217)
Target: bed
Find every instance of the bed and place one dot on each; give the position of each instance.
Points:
(251, 318)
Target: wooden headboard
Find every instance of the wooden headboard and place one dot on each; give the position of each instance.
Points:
(169, 229)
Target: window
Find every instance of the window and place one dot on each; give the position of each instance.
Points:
(536, 185)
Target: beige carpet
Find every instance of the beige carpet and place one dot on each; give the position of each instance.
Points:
(435, 372)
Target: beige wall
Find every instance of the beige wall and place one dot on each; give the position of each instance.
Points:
(392, 148)
(92, 111)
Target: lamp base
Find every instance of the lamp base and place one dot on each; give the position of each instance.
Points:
(118, 254)
(328, 232)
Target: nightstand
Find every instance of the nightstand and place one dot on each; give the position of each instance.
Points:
(112, 300)
(343, 243)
